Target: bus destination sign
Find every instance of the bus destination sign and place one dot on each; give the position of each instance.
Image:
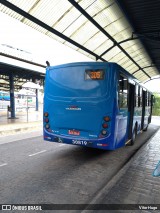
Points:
(97, 74)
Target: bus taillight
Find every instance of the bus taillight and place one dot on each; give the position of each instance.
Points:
(105, 125)
(104, 132)
(46, 114)
(106, 118)
(47, 126)
(46, 120)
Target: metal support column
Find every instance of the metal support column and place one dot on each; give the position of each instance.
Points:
(36, 99)
(12, 100)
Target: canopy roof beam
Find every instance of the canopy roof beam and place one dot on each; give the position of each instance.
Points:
(143, 68)
(80, 9)
(153, 36)
(116, 44)
(47, 27)
(21, 59)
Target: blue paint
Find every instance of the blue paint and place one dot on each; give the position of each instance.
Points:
(78, 105)
(4, 96)
(156, 172)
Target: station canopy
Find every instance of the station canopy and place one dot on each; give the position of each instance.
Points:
(125, 32)
(21, 76)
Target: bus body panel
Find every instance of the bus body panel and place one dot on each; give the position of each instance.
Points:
(86, 117)
(76, 106)
(4, 96)
(81, 114)
(137, 118)
(122, 120)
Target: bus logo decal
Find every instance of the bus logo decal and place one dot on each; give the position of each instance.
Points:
(73, 108)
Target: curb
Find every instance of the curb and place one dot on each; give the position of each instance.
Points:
(106, 189)
(18, 128)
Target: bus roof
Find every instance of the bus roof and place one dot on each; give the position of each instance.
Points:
(100, 63)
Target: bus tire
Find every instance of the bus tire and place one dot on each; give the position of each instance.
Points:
(133, 136)
(145, 129)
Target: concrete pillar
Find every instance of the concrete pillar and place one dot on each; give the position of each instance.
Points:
(12, 99)
(36, 99)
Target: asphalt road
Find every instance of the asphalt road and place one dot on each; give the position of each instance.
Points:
(33, 171)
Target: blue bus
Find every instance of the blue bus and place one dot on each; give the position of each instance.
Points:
(4, 96)
(94, 104)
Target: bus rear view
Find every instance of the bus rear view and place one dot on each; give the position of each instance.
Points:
(79, 104)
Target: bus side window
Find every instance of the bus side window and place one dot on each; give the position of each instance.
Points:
(136, 96)
(140, 97)
(149, 99)
(123, 92)
(146, 101)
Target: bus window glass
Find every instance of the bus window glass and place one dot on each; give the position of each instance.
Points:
(84, 83)
(136, 96)
(149, 99)
(123, 92)
(146, 101)
(140, 97)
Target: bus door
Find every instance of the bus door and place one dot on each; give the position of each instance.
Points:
(148, 98)
(131, 102)
(151, 103)
(143, 108)
(123, 113)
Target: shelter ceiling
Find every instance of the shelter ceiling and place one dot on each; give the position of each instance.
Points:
(21, 75)
(97, 28)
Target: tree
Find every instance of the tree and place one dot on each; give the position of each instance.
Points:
(156, 105)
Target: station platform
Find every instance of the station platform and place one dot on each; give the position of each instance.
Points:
(23, 122)
(135, 183)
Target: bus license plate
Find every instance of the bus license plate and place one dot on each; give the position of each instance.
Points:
(74, 132)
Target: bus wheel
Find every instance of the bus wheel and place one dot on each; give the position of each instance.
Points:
(145, 129)
(133, 137)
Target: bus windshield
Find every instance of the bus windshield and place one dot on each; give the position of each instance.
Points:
(77, 82)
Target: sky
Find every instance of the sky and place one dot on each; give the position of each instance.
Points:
(153, 85)
(20, 39)
(34, 44)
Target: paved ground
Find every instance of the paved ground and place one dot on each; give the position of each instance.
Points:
(34, 171)
(20, 123)
(135, 183)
